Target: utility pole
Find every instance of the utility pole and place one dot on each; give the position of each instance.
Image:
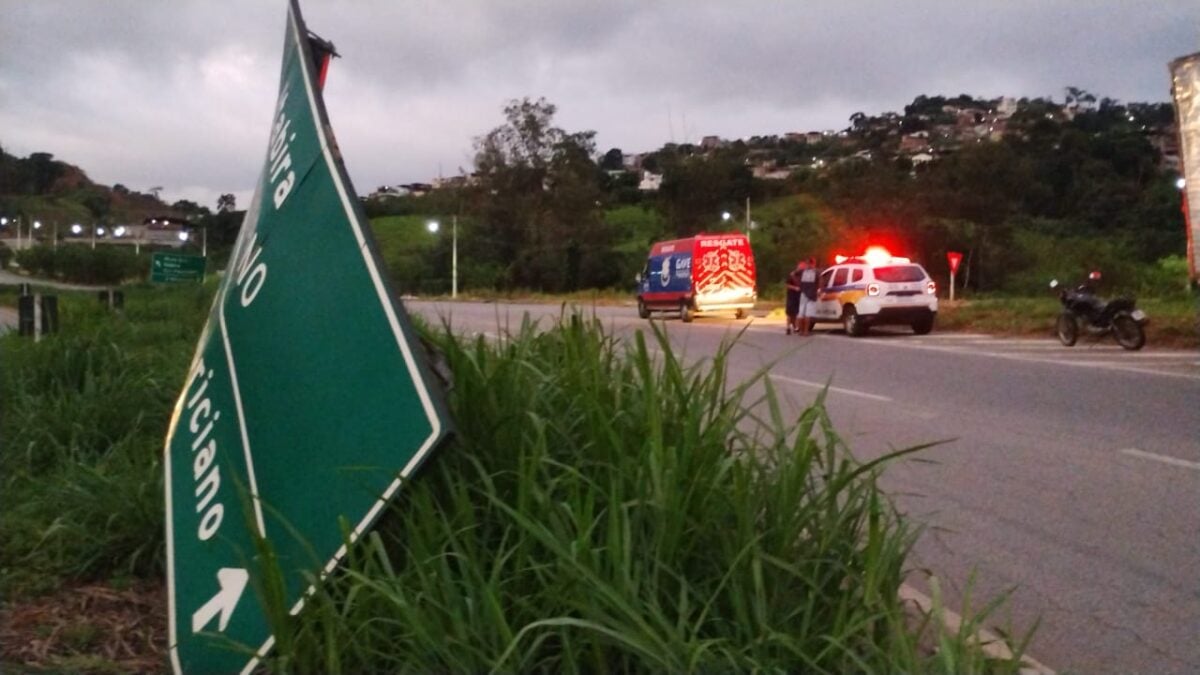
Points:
(747, 219)
(454, 257)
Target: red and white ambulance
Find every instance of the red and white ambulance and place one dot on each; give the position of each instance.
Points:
(704, 273)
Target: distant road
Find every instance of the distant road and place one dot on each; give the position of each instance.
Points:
(9, 279)
(1070, 475)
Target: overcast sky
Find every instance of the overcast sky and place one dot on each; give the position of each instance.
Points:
(179, 93)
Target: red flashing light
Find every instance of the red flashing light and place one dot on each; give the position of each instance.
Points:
(874, 256)
(877, 255)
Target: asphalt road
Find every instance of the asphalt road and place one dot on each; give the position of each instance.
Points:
(1069, 477)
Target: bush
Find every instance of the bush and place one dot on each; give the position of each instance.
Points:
(81, 433)
(81, 264)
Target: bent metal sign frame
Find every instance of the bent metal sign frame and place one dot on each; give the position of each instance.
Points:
(308, 399)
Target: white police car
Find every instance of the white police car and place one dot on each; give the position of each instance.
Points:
(877, 289)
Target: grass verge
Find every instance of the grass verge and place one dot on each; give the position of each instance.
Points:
(604, 507)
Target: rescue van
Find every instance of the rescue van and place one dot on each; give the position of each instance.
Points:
(704, 273)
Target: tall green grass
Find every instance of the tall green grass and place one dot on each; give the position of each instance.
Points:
(606, 508)
(82, 418)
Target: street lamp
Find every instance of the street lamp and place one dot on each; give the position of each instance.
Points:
(433, 226)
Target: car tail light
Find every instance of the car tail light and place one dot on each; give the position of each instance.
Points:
(872, 289)
(931, 287)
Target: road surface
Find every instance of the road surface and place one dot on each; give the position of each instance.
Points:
(1070, 476)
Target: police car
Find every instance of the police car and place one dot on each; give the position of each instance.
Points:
(876, 289)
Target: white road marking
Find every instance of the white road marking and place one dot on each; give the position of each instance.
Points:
(1111, 365)
(822, 385)
(1173, 461)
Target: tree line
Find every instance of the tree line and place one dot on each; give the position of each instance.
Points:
(543, 210)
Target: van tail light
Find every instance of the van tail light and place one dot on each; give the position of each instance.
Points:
(931, 287)
(872, 289)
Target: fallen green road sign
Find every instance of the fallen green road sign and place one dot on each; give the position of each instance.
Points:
(308, 399)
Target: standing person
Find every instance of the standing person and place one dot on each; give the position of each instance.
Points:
(792, 304)
(808, 296)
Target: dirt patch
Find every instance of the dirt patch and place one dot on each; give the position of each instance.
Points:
(87, 629)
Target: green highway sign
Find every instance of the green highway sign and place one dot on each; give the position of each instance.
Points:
(176, 267)
(308, 399)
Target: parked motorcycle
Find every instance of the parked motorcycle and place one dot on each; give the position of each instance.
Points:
(1084, 312)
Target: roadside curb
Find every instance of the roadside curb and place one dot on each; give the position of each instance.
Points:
(991, 644)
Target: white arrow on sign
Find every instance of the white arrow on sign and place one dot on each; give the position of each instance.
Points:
(233, 582)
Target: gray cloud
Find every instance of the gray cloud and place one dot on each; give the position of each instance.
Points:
(179, 93)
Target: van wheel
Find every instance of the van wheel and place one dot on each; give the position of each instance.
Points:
(685, 311)
(740, 314)
(642, 311)
(852, 322)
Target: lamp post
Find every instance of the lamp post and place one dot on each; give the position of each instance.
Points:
(433, 227)
(726, 217)
(749, 224)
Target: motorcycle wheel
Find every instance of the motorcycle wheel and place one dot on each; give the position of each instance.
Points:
(1129, 333)
(1067, 329)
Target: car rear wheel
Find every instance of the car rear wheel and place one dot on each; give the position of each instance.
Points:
(852, 322)
(923, 325)
(642, 311)
(740, 314)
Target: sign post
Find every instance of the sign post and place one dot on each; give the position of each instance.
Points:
(1185, 90)
(167, 267)
(308, 399)
(954, 258)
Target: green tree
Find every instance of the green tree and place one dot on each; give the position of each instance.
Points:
(538, 195)
(613, 160)
(697, 188)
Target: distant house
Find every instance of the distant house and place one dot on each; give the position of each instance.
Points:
(921, 158)
(459, 181)
(711, 142)
(1006, 108)
(796, 137)
(1167, 145)
(772, 173)
(651, 182)
(385, 191)
(418, 189)
(633, 162)
(918, 141)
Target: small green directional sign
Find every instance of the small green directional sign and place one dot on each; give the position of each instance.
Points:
(166, 266)
(308, 399)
